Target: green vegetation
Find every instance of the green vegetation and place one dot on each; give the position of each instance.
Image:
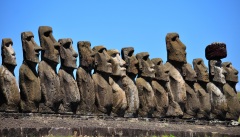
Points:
(168, 135)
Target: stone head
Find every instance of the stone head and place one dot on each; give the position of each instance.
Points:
(188, 73)
(8, 53)
(86, 54)
(217, 73)
(161, 71)
(176, 50)
(30, 48)
(102, 61)
(118, 64)
(130, 59)
(231, 72)
(146, 67)
(201, 70)
(67, 54)
(50, 47)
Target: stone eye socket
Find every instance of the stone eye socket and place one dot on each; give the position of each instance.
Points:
(29, 38)
(114, 55)
(145, 58)
(46, 34)
(174, 38)
(199, 62)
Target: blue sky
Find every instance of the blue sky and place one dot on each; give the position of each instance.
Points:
(117, 24)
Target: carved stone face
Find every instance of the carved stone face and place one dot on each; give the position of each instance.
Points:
(8, 53)
(161, 71)
(146, 67)
(217, 71)
(49, 45)
(102, 60)
(176, 50)
(118, 64)
(188, 73)
(201, 70)
(86, 54)
(30, 48)
(130, 59)
(67, 53)
(231, 72)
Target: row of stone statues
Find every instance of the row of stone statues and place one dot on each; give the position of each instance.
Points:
(127, 86)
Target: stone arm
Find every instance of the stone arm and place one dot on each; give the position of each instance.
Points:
(2, 87)
(212, 88)
(229, 90)
(42, 84)
(189, 90)
(199, 90)
(22, 85)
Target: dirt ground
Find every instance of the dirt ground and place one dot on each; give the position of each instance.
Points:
(70, 122)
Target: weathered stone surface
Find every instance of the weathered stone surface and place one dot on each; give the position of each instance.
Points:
(192, 104)
(201, 89)
(143, 82)
(68, 85)
(176, 57)
(176, 50)
(118, 72)
(215, 88)
(101, 76)
(128, 82)
(49, 80)
(84, 79)
(229, 89)
(9, 92)
(29, 82)
(216, 51)
(160, 88)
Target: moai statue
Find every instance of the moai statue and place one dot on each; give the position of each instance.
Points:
(29, 82)
(146, 72)
(176, 57)
(214, 53)
(101, 76)
(165, 104)
(229, 89)
(201, 88)
(118, 72)
(160, 87)
(84, 79)
(49, 80)
(128, 82)
(192, 104)
(68, 85)
(9, 92)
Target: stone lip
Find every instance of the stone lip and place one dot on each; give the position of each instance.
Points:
(68, 125)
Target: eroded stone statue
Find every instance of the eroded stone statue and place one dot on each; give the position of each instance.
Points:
(192, 104)
(143, 82)
(49, 81)
(9, 92)
(128, 82)
(118, 72)
(201, 88)
(160, 87)
(229, 89)
(68, 85)
(101, 76)
(84, 79)
(29, 82)
(176, 57)
(215, 88)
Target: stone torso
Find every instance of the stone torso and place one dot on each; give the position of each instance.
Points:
(161, 96)
(29, 84)
(87, 90)
(104, 95)
(68, 87)
(131, 91)
(9, 91)
(177, 84)
(146, 97)
(233, 110)
(50, 83)
(218, 100)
